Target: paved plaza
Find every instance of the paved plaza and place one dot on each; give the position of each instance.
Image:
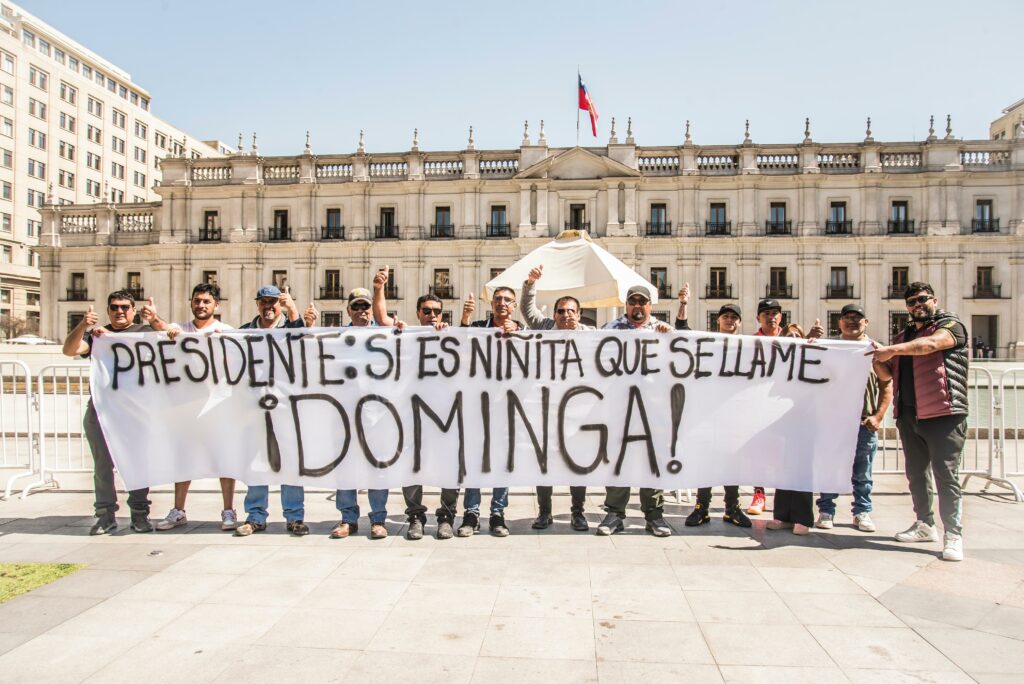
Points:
(708, 605)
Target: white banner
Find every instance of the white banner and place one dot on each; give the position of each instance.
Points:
(369, 408)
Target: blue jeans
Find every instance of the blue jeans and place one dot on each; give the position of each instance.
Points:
(292, 501)
(499, 500)
(867, 445)
(348, 504)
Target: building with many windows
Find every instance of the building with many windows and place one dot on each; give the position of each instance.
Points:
(813, 225)
(74, 129)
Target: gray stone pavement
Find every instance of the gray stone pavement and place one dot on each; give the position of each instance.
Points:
(708, 605)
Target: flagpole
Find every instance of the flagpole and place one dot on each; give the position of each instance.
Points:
(577, 105)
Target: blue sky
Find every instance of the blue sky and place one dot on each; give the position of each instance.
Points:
(218, 67)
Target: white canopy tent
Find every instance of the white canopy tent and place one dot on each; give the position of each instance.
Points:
(574, 266)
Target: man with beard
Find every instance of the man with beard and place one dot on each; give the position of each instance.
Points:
(567, 317)
(276, 310)
(120, 312)
(204, 303)
(652, 501)
(503, 305)
(930, 387)
(429, 310)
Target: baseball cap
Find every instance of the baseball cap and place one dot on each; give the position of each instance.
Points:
(360, 294)
(853, 308)
(268, 291)
(731, 308)
(641, 290)
(766, 304)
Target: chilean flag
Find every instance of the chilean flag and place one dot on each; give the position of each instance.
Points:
(587, 105)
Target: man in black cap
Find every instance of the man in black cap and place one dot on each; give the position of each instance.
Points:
(853, 325)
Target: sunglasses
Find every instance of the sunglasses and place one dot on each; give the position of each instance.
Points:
(359, 306)
(638, 302)
(120, 307)
(566, 312)
(920, 299)
(427, 311)
(269, 301)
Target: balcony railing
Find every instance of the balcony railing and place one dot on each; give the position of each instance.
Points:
(385, 232)
(442, 230)
(578, 225)
(332, 232)
(332, 292)
(209, 234)
(895, 291)
(77, 295)
(779, 291)
(499, 230)
(838, 227)
(719, 292)
(391, 291)
(665, 291)
(444, 292)
(984, 225)
(839, 292)
(778, 227)
(659, 228)
(279, 233)
(137, 292)
(901, 227)
(989, 291)
(718, 227)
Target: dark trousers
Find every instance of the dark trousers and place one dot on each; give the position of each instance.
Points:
(103, 471)
(579, 497)
(652, 502)
(414, 507)
(794, 507)
(931, 450)
(732, 496)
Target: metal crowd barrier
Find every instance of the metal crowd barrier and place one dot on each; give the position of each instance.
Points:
(41, 427)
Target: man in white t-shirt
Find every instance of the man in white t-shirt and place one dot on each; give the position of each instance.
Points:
(205, 302)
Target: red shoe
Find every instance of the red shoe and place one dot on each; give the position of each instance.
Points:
(756, 506)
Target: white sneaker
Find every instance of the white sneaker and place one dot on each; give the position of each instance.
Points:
(863, 522)
(918, 532)
(952, 547)
(175, 518)
(228, 520)
(824, 521)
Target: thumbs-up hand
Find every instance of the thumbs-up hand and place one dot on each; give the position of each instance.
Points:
(535, 273)
(148, 313)
(468, 307)
(310, 315)
(684, 294)
(91, 317)
(287, 303)
(816, 330)
(380, 279)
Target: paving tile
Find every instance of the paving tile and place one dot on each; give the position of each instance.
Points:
(881, 648)
(616, 556)
(223, 623)
(973, 578)
(547, 638)
(528, 670)
(381, 564)
(996, 678)
(787, 645)
(858, 676)
(354, 594)
(425, 633)
(461, 570)
(422, 668)
(122, 619)
(740, 608)
(772, 674)
(321, 628)
(91, 583)
(1006, 621)
(619, 576)
(936, 606)
(66, 658)
(738, 556)
(617, 672)
(651, 642)
(542, 602)
(1014, 598)
(881, 564)
(448, 599)
(11, 640)
(302, 564)
(32, 614)
(37, 553)
(274, 664)
(165, 660)
(832, 609)
(809, 581)
(789, 557)
(976, 652)
(222, 560)
(871, 586)
(640, 603)
(181, 587)
(534, 573)
(720, 578)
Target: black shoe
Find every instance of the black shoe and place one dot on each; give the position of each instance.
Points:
(542, 522)
(699, 515)
(444, 529)
(579, 522)
(497, 525)
(611, 524)
(105, 524)
(298, 528)
(141, 523)
(415, 530)
(659, 528)
(736, 516)
(470, 524)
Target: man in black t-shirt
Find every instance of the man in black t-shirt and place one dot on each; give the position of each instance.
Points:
(121, 312)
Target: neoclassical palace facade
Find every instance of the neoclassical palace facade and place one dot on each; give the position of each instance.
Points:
(813, 225)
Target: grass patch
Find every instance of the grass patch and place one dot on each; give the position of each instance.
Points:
(20, 578)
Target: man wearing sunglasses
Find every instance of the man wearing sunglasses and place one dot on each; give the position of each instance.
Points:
(567, 317)
(429, 310)
(930, 388)
(121, 314)
(652, 501)
(276, 310)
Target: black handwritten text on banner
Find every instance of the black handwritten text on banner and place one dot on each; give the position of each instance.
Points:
(372, 408)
